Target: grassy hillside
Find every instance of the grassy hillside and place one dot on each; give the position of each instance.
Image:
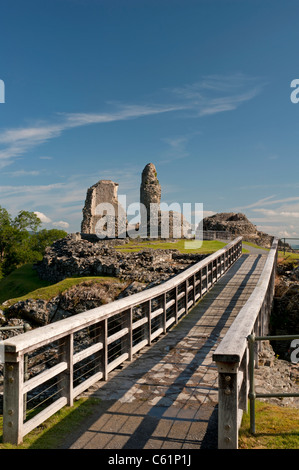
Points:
(184, 246)
(24, 283)
(19, 282)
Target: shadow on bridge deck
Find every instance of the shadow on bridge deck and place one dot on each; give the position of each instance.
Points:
(166, 398)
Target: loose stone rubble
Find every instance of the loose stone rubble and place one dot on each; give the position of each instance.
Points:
(76, 256)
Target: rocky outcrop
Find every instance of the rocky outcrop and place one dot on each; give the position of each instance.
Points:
(85, 296)
(285, 313)
(237, 224)
(74, 256)
(102, 213)
(275, 375)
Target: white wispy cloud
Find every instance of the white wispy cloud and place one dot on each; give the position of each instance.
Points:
(17, 142)
(21, 173)
(277, 216)
(231, 90)
(216, 94)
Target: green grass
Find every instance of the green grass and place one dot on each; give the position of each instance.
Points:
(19, 282)
(184, 246)
(276, 427)
(24, 283)
(51, 433)
(288, 258)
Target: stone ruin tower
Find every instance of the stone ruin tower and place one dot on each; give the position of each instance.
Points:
(150, 193)
(164, 224)
(104, 191)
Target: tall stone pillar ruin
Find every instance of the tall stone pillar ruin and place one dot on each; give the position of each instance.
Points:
(150, 198)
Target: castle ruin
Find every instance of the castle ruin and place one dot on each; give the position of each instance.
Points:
(154, 223)
(96, 215)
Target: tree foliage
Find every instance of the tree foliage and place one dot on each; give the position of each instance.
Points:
(20, 240)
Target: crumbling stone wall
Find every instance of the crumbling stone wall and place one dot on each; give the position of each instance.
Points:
(103, 192)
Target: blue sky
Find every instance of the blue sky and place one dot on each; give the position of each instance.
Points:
(96, 89)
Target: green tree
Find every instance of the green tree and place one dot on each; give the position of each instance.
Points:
(40, 240)
(20, 241)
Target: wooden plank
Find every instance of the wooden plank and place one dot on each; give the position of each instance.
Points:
(43, 415)
(117, 335)
(181, 311)
(157, 333)
(13, 402)
(234, 343)
(44, 376)
(170, 321)
(66, 353)
(170, 303)
(139, 346)
(87, 383)
(119, 360)
(105, 350)
(130, 335)
(228, 411)
(79, 356)
(139, 323)
(157, 312)
(181, 295)
(164, 313)
(149, 319)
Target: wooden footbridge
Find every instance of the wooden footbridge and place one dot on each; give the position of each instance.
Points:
(170, 364)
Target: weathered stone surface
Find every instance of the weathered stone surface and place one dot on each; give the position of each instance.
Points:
(285, 313)
(157, 222)
(101, 193)
(71, 257)
(237, 224)
(275, 375)
(150, 189)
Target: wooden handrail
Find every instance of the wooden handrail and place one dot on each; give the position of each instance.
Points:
(231, 356)
(158, 315)
(48, 333)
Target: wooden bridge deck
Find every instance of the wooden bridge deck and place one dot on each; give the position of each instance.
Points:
(167, 397)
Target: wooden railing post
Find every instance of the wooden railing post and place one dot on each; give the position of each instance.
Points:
(194, 289)
(130, 334)
(13, 399)
(66, 351)
(228, 409)
(105, 350)
(186, 296)
(164, 313)
(176, 305)
(149, 322)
